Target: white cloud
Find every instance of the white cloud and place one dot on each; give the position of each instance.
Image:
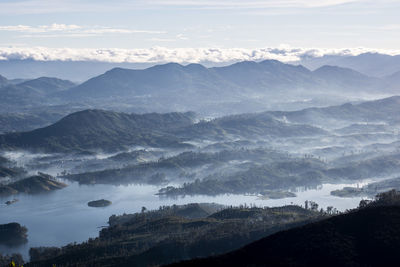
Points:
(71, 30)
(283, 53)
(64, 6)
(251, 4)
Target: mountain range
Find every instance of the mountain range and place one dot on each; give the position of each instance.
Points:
(372, 64)
(233, 82)
(241, 87)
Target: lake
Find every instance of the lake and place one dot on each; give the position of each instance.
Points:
(61, 217)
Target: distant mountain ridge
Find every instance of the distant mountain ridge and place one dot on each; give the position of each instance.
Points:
(246, 86)
(232, 81)
(242, 87)
(372, 64)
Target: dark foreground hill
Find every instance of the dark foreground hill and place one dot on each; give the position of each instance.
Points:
(12, 234)
(367, 237)
(172, 234)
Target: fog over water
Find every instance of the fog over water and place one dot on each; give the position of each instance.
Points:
(257, 153)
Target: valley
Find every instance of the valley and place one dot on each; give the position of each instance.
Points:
(75, 164)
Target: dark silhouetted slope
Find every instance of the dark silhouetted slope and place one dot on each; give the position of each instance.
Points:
(171, 234)
(367, 237)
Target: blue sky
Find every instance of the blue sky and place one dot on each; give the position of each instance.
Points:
(222, 24)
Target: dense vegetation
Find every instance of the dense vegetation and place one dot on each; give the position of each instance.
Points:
(13, 234)
(9, 170)
(183, 166)
(99, 203)
(8, 259)
(100, 130)
(368, 236)
(174, 233)
(287, 174)
(266, 154)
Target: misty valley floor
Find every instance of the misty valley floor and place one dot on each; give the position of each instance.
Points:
(334, 156)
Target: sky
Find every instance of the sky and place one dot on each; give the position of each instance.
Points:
(143, 30)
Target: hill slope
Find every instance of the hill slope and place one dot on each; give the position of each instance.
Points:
(101, 130)
(367, 237)
(32, 185)
(32, 92)
(382, 110)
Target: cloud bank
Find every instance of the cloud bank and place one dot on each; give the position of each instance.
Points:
(283, 53)
(64, 6)
(69, 30)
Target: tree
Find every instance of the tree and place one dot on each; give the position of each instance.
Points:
(329, 209)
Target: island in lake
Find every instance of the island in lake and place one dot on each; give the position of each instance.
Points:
(36, 184)
(270, 194)
(99, 203)
(9, 202)
(13, 234)
(369, 190)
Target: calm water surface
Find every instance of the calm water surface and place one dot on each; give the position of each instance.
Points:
(62, 217)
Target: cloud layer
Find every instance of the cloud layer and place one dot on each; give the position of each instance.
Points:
(63, 6)
(69, 30)
(181, 55)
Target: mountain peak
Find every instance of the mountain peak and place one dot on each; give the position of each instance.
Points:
(271, 62)
(195, 66)
(167, 66)
(336, 70)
